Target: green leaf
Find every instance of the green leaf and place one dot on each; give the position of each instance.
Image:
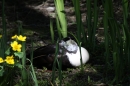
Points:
(7, 52)
(1, 70)
(19, 54)
(19, 65)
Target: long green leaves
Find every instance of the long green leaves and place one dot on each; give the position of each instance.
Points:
(79, 44)
(32, 72)
(59, 63)
(126, 35)
(81, 34)
(62, 23)
(4, 32)
(105, 22)
(76, 4)
(92, 21)
(116, 37)
(23, 70)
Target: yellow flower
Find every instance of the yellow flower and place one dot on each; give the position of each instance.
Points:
(14, 37)
(0, 36)
(9, 59)
(16, 46)
(1, 60)
(21, 38)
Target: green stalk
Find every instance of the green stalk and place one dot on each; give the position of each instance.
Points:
(88, 19)
(59, 62)
(113, 35)
(58, 27)
(105, 22)
(20, 29)
(59, 4)
(33, 74)
(31, 50)
(24, 72)
(125, 26)
(31, 65)
(79, 44)
(76, 4)
(126, 41)
(82, 69)
(4, 78)
(51, 30)
(92, 21)
(95, 23)
(79, 24)
(119, 45)
(54, 64)
(4, 33)
(117, 50)
(60, 70)
(126, 32)
(125, 12)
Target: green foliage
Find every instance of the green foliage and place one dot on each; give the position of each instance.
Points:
(117, 38)
(92, 21)
(10, 63)
(13, 58)
(19, 54)
(61, 18)
(59, 67)
(117, 44)
(114, 39)
(1, 70)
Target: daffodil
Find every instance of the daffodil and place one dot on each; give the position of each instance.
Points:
(9, 60)
(15, 46)
(14, 37)
(1, 60)
(21, 38)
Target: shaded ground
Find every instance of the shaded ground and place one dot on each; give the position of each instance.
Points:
(73, 77)
(36, 19)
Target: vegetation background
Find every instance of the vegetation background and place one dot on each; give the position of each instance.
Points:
(101, 25)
